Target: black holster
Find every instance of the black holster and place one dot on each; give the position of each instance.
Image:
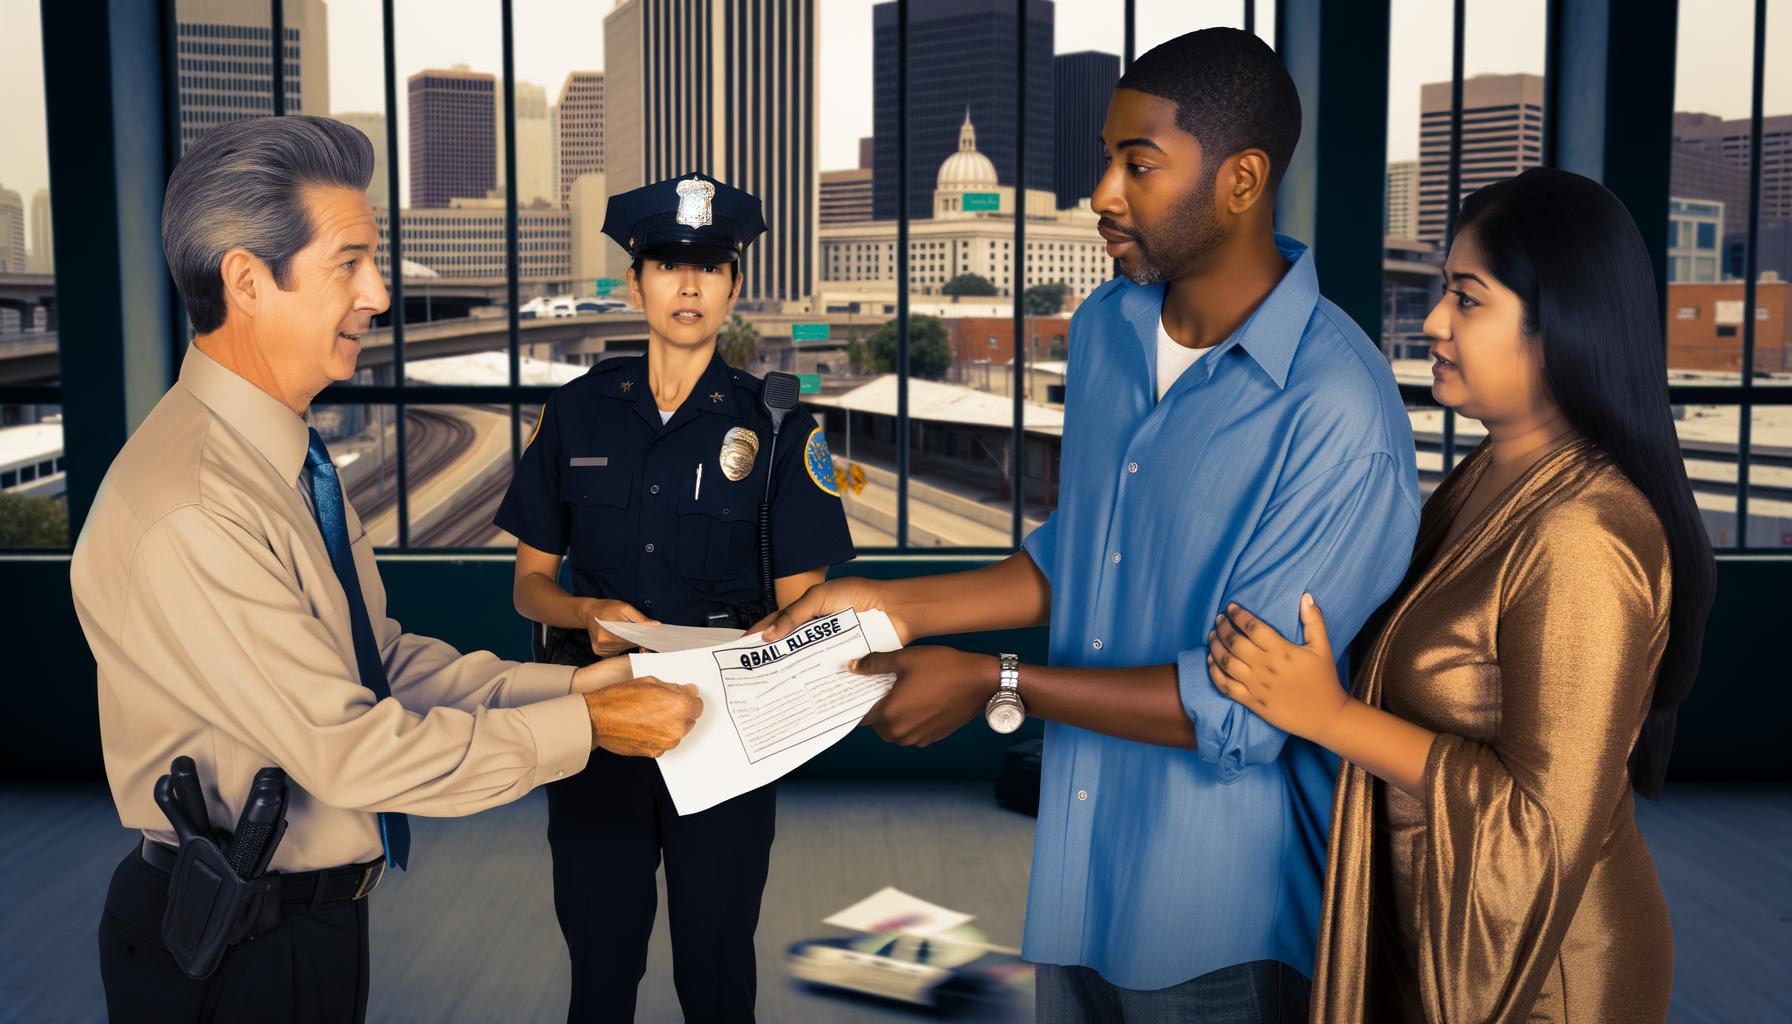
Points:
(211, 908)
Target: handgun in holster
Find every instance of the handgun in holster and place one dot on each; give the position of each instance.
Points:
(220, 891)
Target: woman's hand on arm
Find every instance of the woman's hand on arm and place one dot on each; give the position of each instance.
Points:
(1295, 688)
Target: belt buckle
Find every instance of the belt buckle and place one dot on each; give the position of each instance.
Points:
(370, 879)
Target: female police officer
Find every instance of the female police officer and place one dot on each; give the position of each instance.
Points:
(647, 475)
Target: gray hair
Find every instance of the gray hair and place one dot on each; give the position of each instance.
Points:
(241, 185)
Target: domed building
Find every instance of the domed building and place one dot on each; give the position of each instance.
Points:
(966, 171)
(971, 232)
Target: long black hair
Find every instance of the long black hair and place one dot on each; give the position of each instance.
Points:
(1571, 252)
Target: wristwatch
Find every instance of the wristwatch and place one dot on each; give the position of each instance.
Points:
(1005, 710)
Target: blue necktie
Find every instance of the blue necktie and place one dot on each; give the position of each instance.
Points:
(326, 500)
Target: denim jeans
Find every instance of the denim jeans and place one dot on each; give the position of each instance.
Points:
(1261, 992)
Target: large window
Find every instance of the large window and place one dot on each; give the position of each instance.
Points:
(33, 506)
(1729, 254)
(925, 168)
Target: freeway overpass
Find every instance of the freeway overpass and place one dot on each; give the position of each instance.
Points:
(31, 357)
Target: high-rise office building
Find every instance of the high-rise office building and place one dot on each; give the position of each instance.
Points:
(453, 136)
(373, 126)
(845, 196)
(1502, 135)
(728, 88)
(1400, 212)
(43, 237)
(534, 151)
(1711, 161)
(1082, 83)
(468, 239)
(578, 131)
(224, 50)
(961, 54)
(12, 233)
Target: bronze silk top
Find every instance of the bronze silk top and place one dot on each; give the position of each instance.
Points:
(1517, 887)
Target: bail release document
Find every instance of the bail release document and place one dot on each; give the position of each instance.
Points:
(767, 708)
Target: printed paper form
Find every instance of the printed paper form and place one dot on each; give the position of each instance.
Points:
(768, 708)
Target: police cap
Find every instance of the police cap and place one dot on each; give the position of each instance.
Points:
(689, 219)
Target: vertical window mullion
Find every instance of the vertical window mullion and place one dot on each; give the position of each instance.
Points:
(902, 448)
(395, 260)
(513, 329)
(1018, 272)
(1453, 201)
(277, 51)
(1750, 271)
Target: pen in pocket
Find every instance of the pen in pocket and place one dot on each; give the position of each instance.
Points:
(697, 492)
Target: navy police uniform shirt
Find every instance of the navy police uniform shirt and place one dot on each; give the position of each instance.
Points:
(604, 483)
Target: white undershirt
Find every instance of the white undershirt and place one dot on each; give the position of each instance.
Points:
(1173, 359)
(666, 416)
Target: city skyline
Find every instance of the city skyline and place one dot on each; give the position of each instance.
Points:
(554, 37)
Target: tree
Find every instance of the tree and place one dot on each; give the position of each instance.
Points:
(968, 284)
(1045, 299)
(32, 522)
(929, 353)
(738, 343)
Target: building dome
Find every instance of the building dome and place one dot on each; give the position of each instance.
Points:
(967, 170)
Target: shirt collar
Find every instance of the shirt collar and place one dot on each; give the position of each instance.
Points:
(1271, 334)
(274, 430)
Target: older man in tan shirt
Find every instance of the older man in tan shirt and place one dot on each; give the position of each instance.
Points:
(224, 631)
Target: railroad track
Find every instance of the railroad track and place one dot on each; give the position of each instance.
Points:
(471, 525)
(433, 441)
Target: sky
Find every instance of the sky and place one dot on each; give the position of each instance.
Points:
(554, 37)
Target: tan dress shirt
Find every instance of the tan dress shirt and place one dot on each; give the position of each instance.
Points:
(221, 631)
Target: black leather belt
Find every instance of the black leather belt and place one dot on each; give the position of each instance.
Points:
(329, 885)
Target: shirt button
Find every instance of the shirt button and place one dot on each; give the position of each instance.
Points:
(1082, 794)
(655, 489)
(1116, 558)
(1097, 644)
(650, 549)
(1132, 467)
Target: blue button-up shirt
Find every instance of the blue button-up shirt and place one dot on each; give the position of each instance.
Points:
(1282, 463)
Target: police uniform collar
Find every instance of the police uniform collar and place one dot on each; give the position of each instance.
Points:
(714, 391)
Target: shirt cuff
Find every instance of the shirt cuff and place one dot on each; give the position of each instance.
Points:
(562, 731)
(532, 683)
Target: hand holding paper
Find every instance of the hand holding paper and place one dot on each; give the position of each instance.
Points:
(773, 706)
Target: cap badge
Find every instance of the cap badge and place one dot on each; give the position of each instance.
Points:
(694, 195)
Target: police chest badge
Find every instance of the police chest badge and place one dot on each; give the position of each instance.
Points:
(820, 462)
(740, 447)
(694, 195)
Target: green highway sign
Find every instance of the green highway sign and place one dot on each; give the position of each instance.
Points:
(974, 201)
(808, 332)
(811, 383)
(605, 285)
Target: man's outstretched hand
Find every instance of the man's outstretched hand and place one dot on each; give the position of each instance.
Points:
(826, 598)
(937, 690)
(642, 717)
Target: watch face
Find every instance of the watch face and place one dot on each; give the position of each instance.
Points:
(1005, 717)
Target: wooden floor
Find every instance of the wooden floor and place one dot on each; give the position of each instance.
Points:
(470, 935)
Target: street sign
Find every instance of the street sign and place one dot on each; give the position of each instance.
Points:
(811, 383)
(975, 201)
(808, 332)
(605, 285)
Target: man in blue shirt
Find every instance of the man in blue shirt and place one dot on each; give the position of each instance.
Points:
(1230, 436)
